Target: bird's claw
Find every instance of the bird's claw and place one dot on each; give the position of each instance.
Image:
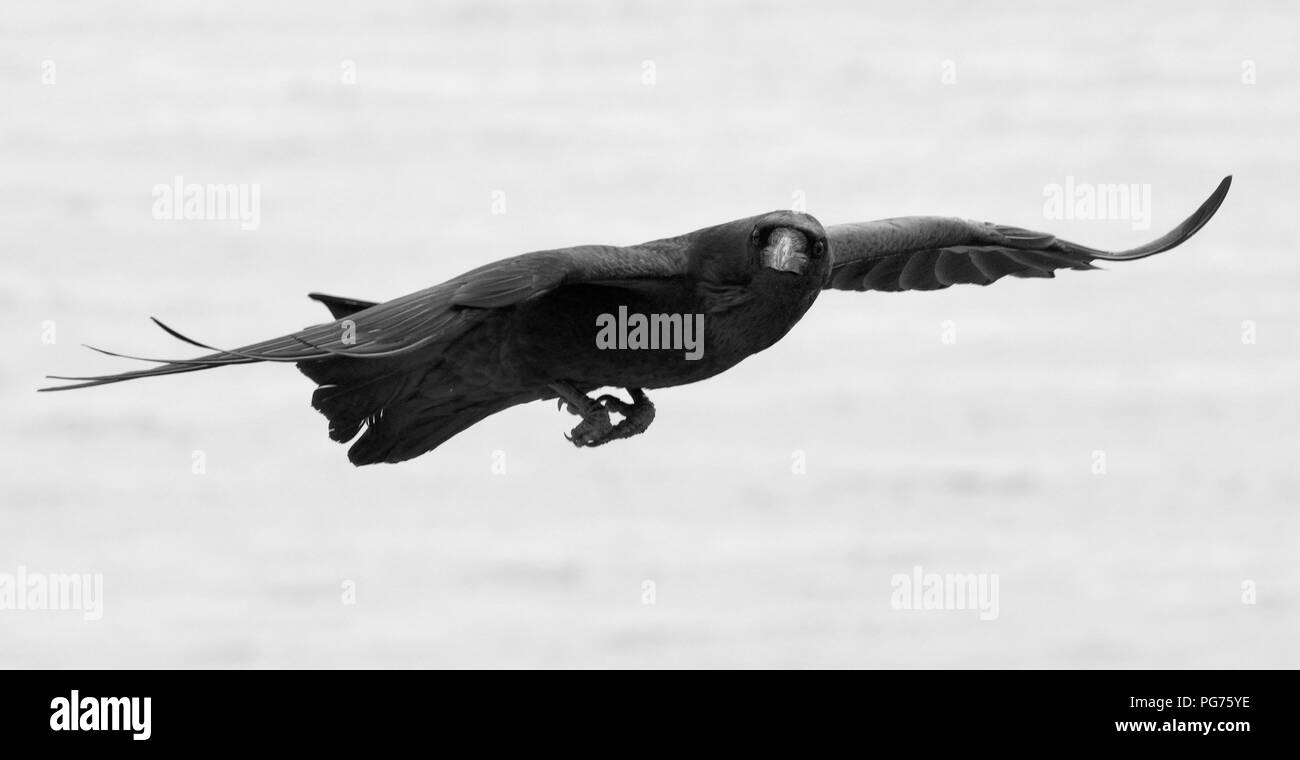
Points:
(637, 415)
(596, 428)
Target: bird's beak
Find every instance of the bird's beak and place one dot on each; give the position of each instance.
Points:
(785, 251)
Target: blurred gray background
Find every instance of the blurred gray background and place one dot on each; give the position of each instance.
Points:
(971, 457)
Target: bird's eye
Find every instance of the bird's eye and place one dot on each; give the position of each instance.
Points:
(819, 248)
(755, 237)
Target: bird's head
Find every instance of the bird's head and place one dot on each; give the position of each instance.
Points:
(789, 242)
(779, 244)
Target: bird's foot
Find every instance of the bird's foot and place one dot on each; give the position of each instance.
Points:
(637, 415)
(596, 428)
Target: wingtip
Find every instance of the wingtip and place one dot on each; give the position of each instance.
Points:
(1209, 208)
(1172, 239)
(1224, 184)
(70, 383)
(1222, 189)
(1215, 200)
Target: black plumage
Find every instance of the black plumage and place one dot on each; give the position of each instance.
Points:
(406, 375)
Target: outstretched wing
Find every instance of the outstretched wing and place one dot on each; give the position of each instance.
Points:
(430, 317)
(931, 252)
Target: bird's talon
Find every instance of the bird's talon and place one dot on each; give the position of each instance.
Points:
(592, 431)
(596, 428)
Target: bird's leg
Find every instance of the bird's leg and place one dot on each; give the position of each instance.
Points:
(637, 415)
(595, 428)
(595, 425)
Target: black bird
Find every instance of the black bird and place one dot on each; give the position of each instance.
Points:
(410, 373)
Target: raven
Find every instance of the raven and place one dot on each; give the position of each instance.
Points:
(408, 374)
